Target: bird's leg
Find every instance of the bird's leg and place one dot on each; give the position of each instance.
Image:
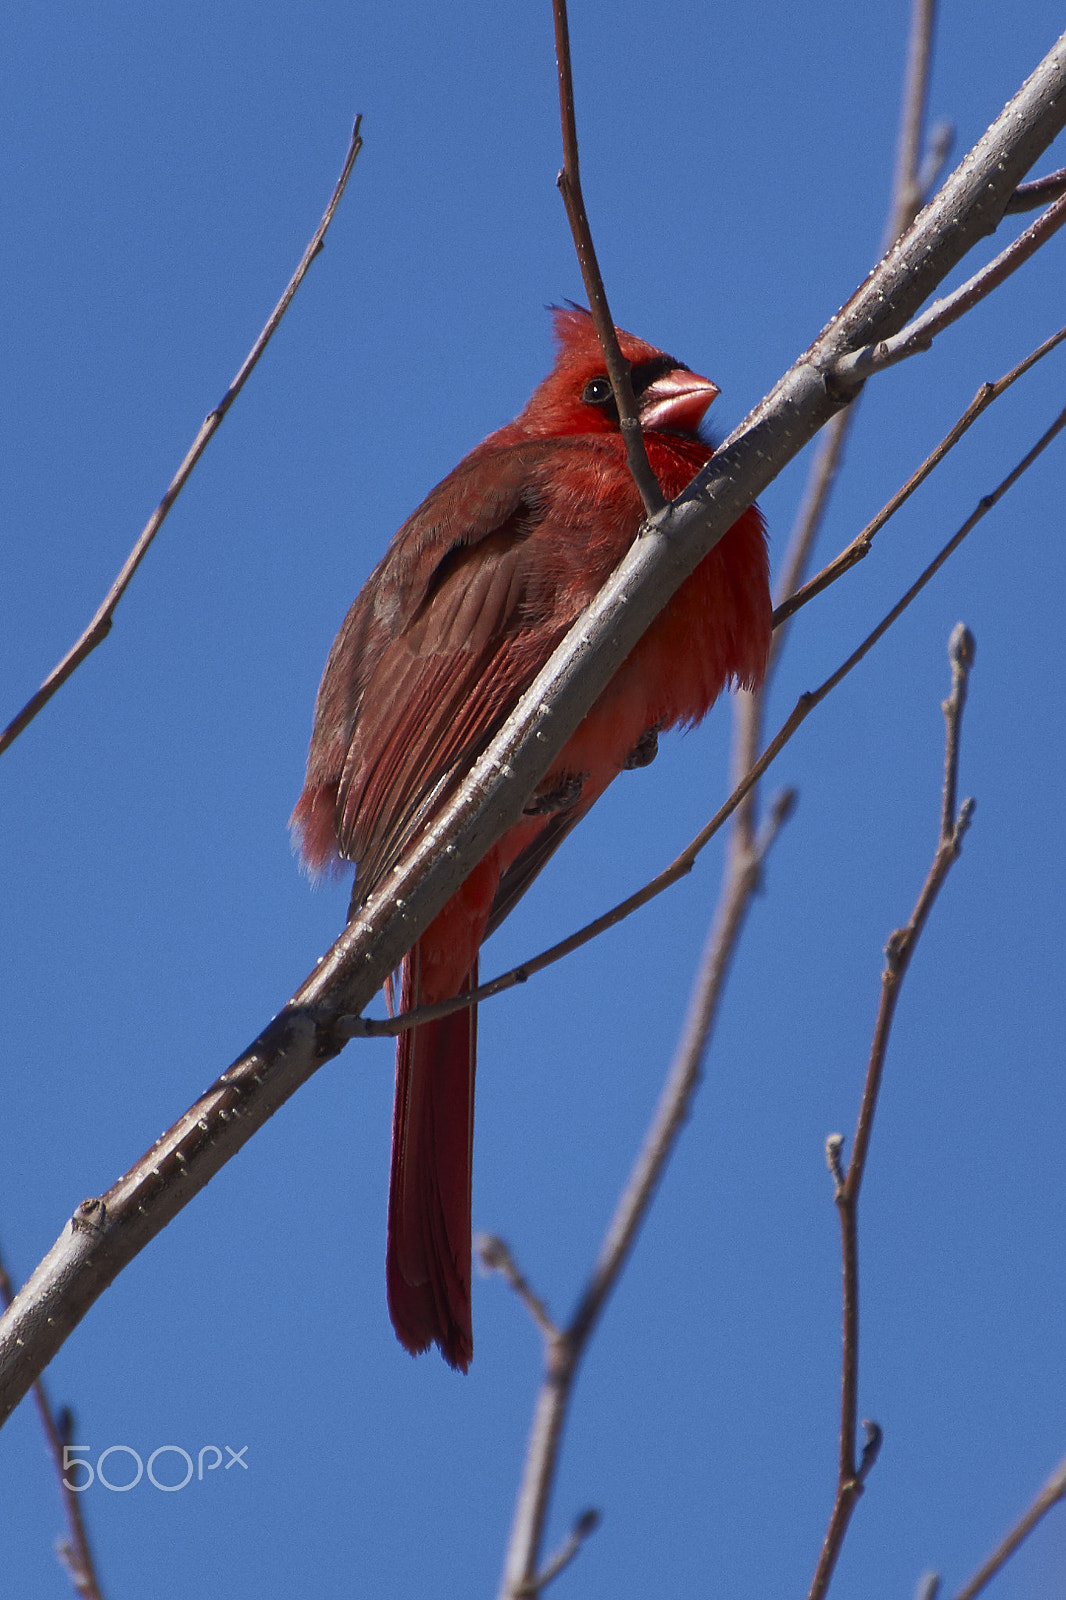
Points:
(645, 750)
(564, 793)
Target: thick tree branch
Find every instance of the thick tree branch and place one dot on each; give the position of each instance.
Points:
(107, 1232)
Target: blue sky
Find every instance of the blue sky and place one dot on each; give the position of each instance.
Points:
(164, 168)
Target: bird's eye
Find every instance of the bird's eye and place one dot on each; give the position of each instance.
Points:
(597, 392)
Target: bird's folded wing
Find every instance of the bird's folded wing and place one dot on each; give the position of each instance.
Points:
(470, 614)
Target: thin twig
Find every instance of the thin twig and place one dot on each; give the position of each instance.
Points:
(1053, 1491)
(586, 1523)
(918, 335)
(860, 545)
(569, 181)
(100, 626)
(495, 1256)
(1040, 192)
(359, 1027)
(898, 952)
(563, 1352)
(743, 882)
(73, 1552)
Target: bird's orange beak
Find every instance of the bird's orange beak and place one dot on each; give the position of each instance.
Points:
(677, 401)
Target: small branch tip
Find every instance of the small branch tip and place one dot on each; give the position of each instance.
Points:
(493, 1253)
(586, 1523)
(895, 946)
(966, 811)
(834, 1149)
(784, 805)
(871, 1449)
(962, 647)
(495, 1256)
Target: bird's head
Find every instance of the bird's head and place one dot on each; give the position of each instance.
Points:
(576, 396)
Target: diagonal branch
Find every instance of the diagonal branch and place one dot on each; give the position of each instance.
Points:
(1053, 1491)
(100, 626)
(919, 334)
(861, 544)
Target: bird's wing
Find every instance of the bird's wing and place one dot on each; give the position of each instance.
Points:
(456, 622)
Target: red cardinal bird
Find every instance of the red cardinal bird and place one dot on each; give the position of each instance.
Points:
(471, 598)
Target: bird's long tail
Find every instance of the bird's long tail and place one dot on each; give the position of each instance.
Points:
(427, 1261)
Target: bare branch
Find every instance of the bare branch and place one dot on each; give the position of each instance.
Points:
(819, 487)
(565, 1350)
(1031, 196)
(107, 1232)
(898, 952)
(74, 1551)
(569, 181)
(750, 704)
(496, 1256)
(919, 335)
(860, 545)
(1053, 1491)
(586, 1523)
(100, 626)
